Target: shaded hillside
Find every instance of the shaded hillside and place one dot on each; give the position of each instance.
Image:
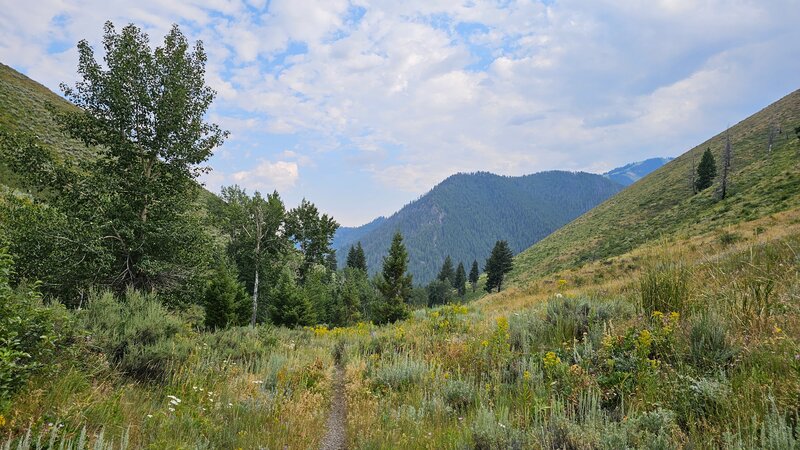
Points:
(662, 204)
(465, 214)
(633, 172)
(345, 236)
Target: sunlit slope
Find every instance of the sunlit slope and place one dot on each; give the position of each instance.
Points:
(660, 205)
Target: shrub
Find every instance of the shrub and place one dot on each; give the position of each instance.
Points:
(241, 343)
(458, 394)
(709, 345)
(31, 333)
(664, 286)
(138, 334)
(398, 375)
(490, 432)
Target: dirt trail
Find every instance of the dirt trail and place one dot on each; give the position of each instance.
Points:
(336, 434)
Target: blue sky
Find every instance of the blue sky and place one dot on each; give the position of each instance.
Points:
(362, 106)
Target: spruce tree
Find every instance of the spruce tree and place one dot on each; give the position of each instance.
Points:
(288, 304)
(474, 274)
(395, 284)
(447, 273)
(330, 261)
(356, 258)
(500, 262)
(706, 171)
(460, 280)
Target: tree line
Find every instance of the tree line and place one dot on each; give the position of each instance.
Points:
(132, 215)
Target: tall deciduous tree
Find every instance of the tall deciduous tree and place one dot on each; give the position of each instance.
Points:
(500, 262)
(255, 225)
(395, 284)
(474, 274)
(143, 112)
(706, 171)
(312, 232)
(460, 281)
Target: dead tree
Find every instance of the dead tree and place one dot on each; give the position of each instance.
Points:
(693, 174)
(773, 130)
(727, 156)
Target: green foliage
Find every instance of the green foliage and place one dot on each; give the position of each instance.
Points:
(225, 300)
(447, 273)
(356, 258)
(500, 262)
(458, 394)
(460, 280)
(356, 298)
(474, 274)
(664, 285)
(466, 213)
(31, 333)
(136, 333)
(395, 285)
(439, 293)
(288, 304)
(398, 374)
(706, 171)
(312, 232)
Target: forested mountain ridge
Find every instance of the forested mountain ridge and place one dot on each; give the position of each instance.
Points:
(466, 214)
(764, 179)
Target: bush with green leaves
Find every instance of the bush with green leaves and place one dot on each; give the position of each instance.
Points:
(137, 333)
(31, 333)
(710, 347)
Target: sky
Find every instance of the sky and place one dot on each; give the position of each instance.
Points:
(363, 106)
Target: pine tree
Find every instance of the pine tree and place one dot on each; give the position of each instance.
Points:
(395, 285)
(706, 171)
(447, 273)
(356, 258)
(474, 274)
(288, 304)
(460, 280)
(330, 261)
(500, 262)
(223, 298)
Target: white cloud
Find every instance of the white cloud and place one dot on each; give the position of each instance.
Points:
(267, 176)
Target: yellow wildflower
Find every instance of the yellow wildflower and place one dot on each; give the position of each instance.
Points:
(485, 343)
(446, 375)
(526, 375)
(608, 341)
(657, 315)
(645, 339)
(777, 330)
(551, 360)
(674, 316)
(2, 421)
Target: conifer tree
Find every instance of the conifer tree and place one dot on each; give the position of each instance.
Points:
(288, 304)
(474, 274)
(356, 258)
(500, 262)
(395, 284)
(706, 171)
(447, 273)
(330, 261)
(460, 280)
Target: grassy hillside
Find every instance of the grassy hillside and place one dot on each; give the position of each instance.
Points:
(662, 203)
(465, 214)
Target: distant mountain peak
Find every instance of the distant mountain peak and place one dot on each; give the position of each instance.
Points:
(633, 172)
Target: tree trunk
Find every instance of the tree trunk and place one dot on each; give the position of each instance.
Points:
(255, 300)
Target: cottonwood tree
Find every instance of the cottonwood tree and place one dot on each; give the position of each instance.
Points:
(312, 232)
(142, 113)
(474, 274)
(255, 226)
(500, 262)
(395, 284)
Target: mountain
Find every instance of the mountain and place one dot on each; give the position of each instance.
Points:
(662, 205)
(346, 236)
(465, 214)
(633, 172)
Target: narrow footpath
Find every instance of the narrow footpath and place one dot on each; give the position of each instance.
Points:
(336, 434)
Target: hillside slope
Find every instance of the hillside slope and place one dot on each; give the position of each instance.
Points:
(662, 204)
(465, 214)
(633, 172)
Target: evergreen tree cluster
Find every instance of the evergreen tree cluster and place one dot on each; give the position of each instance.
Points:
(706, 171)
(522, 209)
